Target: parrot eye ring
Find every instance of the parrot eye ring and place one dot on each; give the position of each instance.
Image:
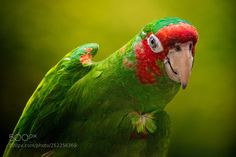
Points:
(155, 44)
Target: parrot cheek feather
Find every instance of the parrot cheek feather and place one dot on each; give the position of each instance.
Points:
(146, 67)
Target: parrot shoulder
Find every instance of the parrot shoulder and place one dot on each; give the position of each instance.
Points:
(44, 109)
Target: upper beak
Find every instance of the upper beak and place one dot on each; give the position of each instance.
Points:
(185, 67)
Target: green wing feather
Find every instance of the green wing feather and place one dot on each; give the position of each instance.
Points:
(43, 111)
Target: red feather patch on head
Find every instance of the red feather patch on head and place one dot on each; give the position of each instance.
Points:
(179, 33)
(147, 67)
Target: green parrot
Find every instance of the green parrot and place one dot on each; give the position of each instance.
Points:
(110, 108)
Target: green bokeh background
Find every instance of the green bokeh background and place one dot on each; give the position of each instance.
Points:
(34, 35)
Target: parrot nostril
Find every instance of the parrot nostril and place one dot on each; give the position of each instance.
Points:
(190, 46)
(177, 48)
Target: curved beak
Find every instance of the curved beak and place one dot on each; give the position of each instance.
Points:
(180, 61)
(185, 67)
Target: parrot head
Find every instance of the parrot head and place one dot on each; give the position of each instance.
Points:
(171, 42)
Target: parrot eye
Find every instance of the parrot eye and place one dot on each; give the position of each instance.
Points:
(155, 44)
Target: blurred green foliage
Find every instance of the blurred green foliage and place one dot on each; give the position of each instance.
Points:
(34, 35)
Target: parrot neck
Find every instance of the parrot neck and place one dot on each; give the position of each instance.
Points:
(146, 85)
